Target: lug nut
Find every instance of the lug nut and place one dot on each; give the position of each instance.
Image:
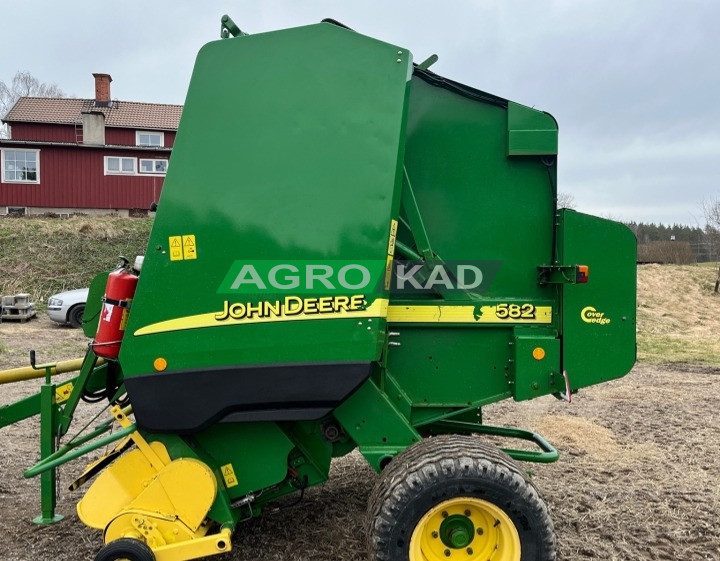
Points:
(447, 553)
(444, 514)
(469, 551)
(480, 532)
(435, 534)
(467, 513)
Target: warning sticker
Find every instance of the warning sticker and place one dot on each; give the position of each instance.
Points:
(62, 393)
(189, 247)
(393, 236)
(182, 247)
(176, 250)
(228, 474)
(390, 254)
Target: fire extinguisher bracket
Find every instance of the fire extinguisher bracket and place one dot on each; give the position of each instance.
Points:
(119, 303)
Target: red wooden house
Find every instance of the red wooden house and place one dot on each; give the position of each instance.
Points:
(92, 156)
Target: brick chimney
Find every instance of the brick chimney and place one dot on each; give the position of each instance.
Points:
(102, 89)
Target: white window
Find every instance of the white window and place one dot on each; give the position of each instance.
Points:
(21, 166)
(146, 138)
(153, 166)
(117, 165)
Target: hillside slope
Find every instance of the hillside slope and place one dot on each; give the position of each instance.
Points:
(43, 256)
(678, 314)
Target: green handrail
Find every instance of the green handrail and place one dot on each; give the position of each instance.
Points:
(548, 455)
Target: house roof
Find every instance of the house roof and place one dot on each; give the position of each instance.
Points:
(8, 143)
(121, 114)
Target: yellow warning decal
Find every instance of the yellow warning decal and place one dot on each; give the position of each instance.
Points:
(393, 236)
(390, 254)
(228, 474)
(176, 250)
(388, 272)
(189, 247)
(182, 247)
(62, 393)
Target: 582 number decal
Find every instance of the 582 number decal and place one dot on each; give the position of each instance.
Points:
(515, 311)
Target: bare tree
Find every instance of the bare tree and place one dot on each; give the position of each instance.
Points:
(23, 84)
(565, 200)
(711, 210)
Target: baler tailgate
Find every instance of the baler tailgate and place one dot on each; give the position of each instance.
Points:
(598, 316)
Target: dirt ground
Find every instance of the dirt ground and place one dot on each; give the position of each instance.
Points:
(638, 478)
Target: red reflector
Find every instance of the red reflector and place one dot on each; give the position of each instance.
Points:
(583, 273)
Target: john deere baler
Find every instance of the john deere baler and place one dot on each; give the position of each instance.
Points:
(350, 251)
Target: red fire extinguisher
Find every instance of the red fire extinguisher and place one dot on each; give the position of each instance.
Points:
(119, 292)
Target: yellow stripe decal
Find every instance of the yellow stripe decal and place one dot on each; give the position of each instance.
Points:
(503, 314)
(499, 314)
(378, 309)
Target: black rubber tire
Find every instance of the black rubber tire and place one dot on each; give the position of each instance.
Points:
(75, 315)
(125, 548)
(443, 467)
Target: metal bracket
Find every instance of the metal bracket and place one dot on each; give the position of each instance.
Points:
(567, 394)
(229, 28)
(558, 274)
(428, 62)
(412, 211)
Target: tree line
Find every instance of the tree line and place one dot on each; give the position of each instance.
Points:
(676, 243)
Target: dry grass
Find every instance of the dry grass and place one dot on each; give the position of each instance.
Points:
(43, 256)
(678, 314)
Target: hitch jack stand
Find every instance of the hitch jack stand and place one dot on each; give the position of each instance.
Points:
(48, 433)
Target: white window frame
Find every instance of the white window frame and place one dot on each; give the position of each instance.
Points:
(153, 160)
(159, 133)
(22, 181)
(120, 171)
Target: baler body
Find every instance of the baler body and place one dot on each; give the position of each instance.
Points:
(271, 329)
(318, 146)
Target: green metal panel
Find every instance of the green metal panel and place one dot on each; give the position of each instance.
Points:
(288, 149)
(531, 132)
(236, 445)
(446, 366)
(475, 201)
(599, 319)
(535, 373)
(371, 419)
(91, 315)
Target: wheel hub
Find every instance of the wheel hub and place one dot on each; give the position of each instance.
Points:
(465, 528)
(457, 531)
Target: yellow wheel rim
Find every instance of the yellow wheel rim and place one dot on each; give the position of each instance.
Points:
(465, 528)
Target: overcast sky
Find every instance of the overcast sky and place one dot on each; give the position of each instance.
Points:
(635, 85)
